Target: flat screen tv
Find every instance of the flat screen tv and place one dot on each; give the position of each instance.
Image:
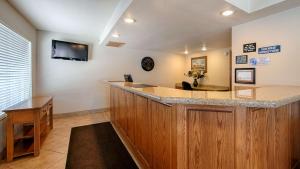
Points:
(69, 51)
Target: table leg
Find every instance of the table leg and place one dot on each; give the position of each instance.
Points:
(51, 117)
(9, 139)
(37, 134)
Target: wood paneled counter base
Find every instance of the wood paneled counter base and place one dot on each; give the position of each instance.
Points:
(27, 125)
(185, 136)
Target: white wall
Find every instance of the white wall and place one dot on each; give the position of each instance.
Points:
(218, 65)
(77, 86)
(12, 19)
(279, 29)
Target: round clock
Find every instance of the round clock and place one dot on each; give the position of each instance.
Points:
(147, 63)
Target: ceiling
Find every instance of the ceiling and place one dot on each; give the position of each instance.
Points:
(81, 17)
(173, 25)
(162, 25)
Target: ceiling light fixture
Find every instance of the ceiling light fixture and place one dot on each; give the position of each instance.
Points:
(129, 20)
(186, 50)
(228, 13)
(204, 48)
(115, 35)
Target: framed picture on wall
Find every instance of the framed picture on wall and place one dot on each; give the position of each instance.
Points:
(242, 59)
(199, 63)
(245, 75)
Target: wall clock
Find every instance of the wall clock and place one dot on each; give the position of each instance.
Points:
(147, 63)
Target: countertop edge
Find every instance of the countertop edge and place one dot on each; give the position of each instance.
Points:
(215, 102)
(157, 98)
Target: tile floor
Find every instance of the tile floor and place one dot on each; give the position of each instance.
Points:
(55, 148)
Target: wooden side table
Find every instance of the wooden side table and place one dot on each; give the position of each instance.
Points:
(28, 123)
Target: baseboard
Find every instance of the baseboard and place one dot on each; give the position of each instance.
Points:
(80, 113)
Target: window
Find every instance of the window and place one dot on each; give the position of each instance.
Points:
(15, 68)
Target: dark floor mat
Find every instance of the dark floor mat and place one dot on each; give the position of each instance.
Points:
(97, 146)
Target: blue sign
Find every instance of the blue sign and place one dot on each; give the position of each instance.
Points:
(269, 49)
(253, 61)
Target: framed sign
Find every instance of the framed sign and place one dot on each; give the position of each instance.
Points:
(245, 75)
(269, 49)
(199, 63)
(250, 47)
(242, 59)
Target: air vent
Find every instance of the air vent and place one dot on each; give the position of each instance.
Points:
(115, 44)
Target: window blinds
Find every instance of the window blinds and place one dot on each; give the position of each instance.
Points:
(15, 68)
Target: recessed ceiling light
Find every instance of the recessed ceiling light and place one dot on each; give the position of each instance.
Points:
(115, 35)
(228, 13)
(129, 20)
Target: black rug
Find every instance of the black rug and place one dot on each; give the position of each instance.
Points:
(97, 146)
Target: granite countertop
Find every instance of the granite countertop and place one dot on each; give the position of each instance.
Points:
(264, 97)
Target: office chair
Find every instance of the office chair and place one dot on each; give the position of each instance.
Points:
(186, 86)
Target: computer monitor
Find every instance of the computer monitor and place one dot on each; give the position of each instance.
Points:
(128, 78)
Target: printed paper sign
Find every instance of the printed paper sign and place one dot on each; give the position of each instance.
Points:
(260, 61)
(263, 61)
(253, 61)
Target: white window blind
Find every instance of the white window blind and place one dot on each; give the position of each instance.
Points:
(15, 68)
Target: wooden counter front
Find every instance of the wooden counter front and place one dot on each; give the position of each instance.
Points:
(163, 136)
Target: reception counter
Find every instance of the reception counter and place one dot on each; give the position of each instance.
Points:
(166, 128)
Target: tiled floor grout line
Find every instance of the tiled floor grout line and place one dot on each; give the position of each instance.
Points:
(55, 151)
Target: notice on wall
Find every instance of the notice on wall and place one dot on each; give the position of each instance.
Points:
(244, 75)
(260, 61)
(253, 61)
(269, 49)
(250, 47)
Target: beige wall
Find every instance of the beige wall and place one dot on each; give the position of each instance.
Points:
(12, 19)
(77, 86)
(218, 65)
(281, 29)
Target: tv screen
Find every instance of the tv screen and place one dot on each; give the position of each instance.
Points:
(69, 51)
